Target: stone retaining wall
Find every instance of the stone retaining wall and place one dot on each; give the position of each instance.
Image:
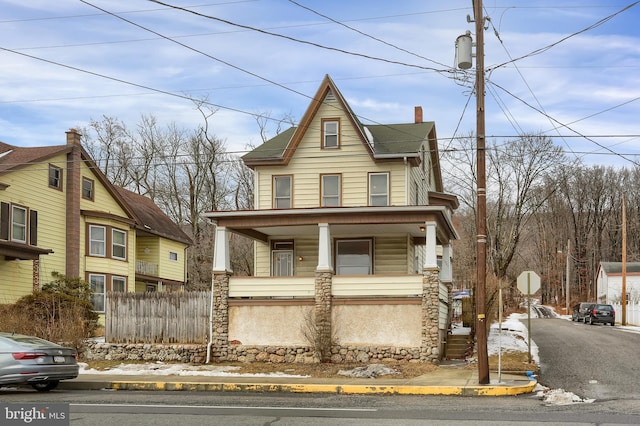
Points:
(197, 354)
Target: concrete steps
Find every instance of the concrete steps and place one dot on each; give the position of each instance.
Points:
(458, 346)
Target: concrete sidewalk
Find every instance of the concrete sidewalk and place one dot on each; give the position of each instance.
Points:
(446, 380)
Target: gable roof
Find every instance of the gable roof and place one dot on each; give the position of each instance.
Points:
(615, 268)
(147, 216)
(13, 157)
(383, 141)
(151, 219)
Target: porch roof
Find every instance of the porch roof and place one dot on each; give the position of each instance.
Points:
(344, 221)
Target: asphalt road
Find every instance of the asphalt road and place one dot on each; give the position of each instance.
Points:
(592, 361)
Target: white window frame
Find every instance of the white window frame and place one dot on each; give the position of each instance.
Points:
(280, 198)
(102, 243)
(327, 197)
(377, 193)
(329, 134)
(117, 281)
(19, 227)
(99, 294)
(115, 245)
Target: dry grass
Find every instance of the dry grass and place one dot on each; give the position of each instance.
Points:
(513, 361)
(324, 370)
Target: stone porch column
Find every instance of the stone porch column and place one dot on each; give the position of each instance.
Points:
(324, 281)
(323, 308)
(220, 320)
(220, 298)
(430, 345)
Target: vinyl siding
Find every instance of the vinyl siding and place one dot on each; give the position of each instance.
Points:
(390, 255)
(351, 160)
(171, 269)
(29, 187)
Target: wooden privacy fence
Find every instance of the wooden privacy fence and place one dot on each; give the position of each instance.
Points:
(153, 317)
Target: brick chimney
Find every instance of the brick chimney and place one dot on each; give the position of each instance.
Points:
(418, 114)
(72, 249)
(73, 137)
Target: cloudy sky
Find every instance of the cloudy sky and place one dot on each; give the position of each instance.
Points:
(565, 68)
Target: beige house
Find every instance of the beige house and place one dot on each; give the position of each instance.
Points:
(352, 233)
(60, 214)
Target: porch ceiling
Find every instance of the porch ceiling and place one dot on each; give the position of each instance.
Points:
(344, 221)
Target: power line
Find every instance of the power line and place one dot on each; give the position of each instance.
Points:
(562, 124)
(366, 35)
(550, 46)
(375, 58)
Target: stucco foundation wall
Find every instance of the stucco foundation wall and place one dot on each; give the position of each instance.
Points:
(262, 325)
(377, 325)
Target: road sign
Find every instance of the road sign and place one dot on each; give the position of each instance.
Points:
(528, 282)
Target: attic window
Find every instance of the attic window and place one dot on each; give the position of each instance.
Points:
(55, 177)
(330, 132)
(87, 189)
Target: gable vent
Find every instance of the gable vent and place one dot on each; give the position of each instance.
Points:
(330, 97)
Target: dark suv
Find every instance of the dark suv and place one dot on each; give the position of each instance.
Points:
(579, 311)
(600, 313)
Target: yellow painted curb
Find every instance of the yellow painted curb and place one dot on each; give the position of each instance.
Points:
(480, 390)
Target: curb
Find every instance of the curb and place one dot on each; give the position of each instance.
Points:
(480, 390)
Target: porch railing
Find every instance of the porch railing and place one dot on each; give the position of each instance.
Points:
(146, 268)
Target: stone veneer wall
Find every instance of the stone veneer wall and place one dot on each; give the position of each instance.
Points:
(220, 347)
(223, 350)
(196, 354)
(430, 316)
(323, 309)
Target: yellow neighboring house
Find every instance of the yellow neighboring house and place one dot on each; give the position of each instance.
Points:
(59, 213)
(352, 232)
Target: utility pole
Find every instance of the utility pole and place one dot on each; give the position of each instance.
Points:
(464, 55)
(624, 262)
(567, 295)
(481, 225)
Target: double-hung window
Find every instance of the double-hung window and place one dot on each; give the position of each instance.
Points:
(330, 190)
(98, 284)
(282, 192)
(330, 132)
(55, 177)
(18, 224)
(118, 244)
(88, 191)
(379, 189)
(97, 240)
(118, 284)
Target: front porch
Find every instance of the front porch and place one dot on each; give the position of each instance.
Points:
(320, 311)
